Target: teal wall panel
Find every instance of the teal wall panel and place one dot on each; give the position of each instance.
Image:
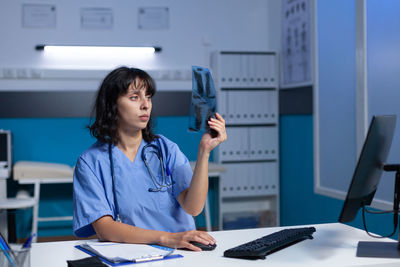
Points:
(58, 140)
(299, 204)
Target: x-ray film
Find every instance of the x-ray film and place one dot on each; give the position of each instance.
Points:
(203, 105)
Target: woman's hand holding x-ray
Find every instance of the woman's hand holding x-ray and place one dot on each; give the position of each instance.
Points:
(208, 141)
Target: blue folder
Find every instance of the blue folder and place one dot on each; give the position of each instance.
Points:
(172, 256)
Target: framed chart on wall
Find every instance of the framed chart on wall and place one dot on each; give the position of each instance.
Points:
(297, 43)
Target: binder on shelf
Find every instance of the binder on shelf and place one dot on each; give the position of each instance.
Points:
(233, 71)
(250, 179)
(235, 106)
(229, 69)
(272, 178)
(232, 179)
(250, 107)
(273, 106)
(236, 147)
(252, 70)
(263, 143)
(116, 254)
(222, 104)
(258, 107)
(225, 71)
(240, 75)
(271, 66)
(244, 76)
(260, 67)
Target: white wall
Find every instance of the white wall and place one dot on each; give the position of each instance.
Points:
(195, 29)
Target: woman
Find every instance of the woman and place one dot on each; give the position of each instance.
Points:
(134, 186)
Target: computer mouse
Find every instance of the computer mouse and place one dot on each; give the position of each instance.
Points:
(203, 246)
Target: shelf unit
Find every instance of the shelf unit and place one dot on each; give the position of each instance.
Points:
(247, 94)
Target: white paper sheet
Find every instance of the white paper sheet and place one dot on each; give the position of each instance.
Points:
(117, 252)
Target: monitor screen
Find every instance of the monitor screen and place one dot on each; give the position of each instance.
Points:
(3, 147)
(369, 167)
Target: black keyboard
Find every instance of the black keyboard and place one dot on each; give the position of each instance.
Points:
(259, 248)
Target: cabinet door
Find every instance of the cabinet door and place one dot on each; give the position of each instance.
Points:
(266, 71)
(233, 179)
(250, 179)
(230, 69)
(251, 106)
(263, 143)
(257, 111)
(236, 147)
(267, 174)
(222, 99)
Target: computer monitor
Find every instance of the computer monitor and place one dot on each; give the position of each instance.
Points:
(5, 154)
(366, 178)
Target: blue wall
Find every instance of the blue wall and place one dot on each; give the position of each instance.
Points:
(299, 204)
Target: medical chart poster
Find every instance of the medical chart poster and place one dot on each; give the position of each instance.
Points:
(296, 43)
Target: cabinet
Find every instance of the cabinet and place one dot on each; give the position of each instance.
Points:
(247, 94)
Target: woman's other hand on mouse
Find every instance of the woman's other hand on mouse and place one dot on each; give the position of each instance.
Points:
(182, 239)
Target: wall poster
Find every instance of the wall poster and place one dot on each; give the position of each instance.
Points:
(296, 43)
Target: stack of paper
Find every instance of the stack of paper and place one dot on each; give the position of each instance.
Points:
(122, 252)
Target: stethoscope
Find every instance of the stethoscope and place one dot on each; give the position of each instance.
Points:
(153, 148)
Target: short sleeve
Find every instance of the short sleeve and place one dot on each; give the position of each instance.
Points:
(90, 201)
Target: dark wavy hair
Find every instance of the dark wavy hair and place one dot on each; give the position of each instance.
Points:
(105, 111)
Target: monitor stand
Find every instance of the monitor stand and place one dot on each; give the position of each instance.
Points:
(384, 249)
(378, 249)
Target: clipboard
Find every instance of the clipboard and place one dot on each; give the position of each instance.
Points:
(121, 263)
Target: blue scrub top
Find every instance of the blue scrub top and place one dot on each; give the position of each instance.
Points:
(93, 190)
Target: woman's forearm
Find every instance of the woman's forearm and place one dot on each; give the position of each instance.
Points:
(193, 199)
(109, 230)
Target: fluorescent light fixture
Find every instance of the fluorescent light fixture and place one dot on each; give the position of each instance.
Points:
(78, 49)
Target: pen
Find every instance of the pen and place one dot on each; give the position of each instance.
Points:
(28, 242)
(149, 258)
(6, 249)
(7, 255)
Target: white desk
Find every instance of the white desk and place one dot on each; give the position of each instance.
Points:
(333, 245)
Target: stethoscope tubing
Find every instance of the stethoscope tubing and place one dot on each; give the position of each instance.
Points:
(117, 218)
(159, 186)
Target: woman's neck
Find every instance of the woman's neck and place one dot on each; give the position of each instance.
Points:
(129, 143)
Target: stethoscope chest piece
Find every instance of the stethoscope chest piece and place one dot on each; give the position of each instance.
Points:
(159, 175)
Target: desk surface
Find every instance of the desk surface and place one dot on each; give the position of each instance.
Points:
(333, 245)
